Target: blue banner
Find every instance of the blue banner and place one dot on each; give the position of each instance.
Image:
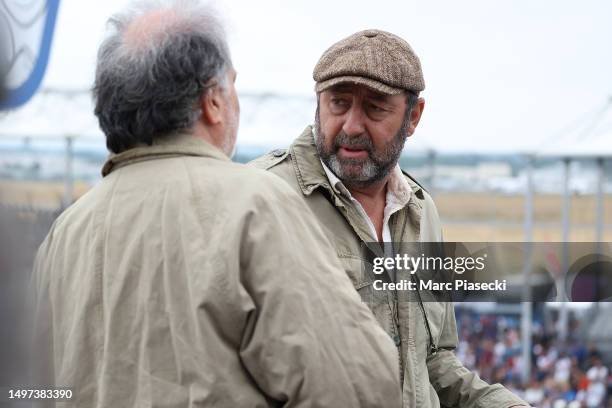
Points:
(26, 34)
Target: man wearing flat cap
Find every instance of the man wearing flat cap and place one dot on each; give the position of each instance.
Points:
(346, 169)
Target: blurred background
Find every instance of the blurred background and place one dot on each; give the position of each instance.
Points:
(514, 144)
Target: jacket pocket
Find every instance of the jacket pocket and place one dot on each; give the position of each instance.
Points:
(353, 267)
(378, 301)
(362, 281)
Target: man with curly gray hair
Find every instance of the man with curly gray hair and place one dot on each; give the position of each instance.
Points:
(183, 279)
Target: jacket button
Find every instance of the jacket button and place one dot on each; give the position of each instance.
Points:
(278, 152)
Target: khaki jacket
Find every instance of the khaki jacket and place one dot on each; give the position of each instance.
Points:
(431, 374)
(185, 280)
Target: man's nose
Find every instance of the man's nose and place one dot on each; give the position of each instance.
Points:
(354, 123)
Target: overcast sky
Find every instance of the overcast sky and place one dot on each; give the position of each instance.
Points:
(500, 75)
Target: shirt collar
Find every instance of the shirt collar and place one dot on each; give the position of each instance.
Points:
(398, 189)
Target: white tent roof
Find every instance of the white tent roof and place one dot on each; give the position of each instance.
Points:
(589, 137)
(267, 120)
(52, 115)
(598, 146)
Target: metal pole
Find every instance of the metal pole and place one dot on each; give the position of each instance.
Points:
(68, 173)
(599, 224)
(599, 212)
(431, 164)
(526, 304)
(565, 222)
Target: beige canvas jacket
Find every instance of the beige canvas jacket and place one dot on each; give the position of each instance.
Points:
(431, 374)
(185, 280)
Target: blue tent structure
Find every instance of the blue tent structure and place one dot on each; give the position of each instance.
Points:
(26, 34)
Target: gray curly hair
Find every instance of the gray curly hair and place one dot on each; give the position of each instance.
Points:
(158, 60)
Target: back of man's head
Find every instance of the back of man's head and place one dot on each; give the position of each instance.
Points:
(156, 64)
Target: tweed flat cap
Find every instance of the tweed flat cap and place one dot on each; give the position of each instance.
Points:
(373, 58)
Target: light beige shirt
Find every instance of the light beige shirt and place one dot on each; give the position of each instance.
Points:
(398, 195)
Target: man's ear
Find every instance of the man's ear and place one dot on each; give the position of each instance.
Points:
(212, 105)
(415, 115)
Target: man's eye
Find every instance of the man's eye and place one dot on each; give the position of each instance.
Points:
(339, 106)
(375, 108)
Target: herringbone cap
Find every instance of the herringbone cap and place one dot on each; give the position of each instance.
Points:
(374, 58)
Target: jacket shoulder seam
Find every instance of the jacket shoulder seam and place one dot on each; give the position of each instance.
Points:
(270, 159)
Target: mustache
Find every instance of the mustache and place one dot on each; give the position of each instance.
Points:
(363, 141)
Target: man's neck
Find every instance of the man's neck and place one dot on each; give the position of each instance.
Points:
(373, 199)
(213, 136)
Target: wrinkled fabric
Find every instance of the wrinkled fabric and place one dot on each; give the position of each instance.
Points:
(185, 280)
(429, 379)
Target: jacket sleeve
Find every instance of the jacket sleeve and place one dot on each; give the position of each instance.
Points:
(310, 342)
(453, 382)
(40, 365)
(456, 385)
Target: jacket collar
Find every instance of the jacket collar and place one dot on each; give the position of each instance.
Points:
(308, 167)
(180, 144)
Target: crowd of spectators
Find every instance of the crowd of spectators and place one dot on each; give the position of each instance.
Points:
(571, 374)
